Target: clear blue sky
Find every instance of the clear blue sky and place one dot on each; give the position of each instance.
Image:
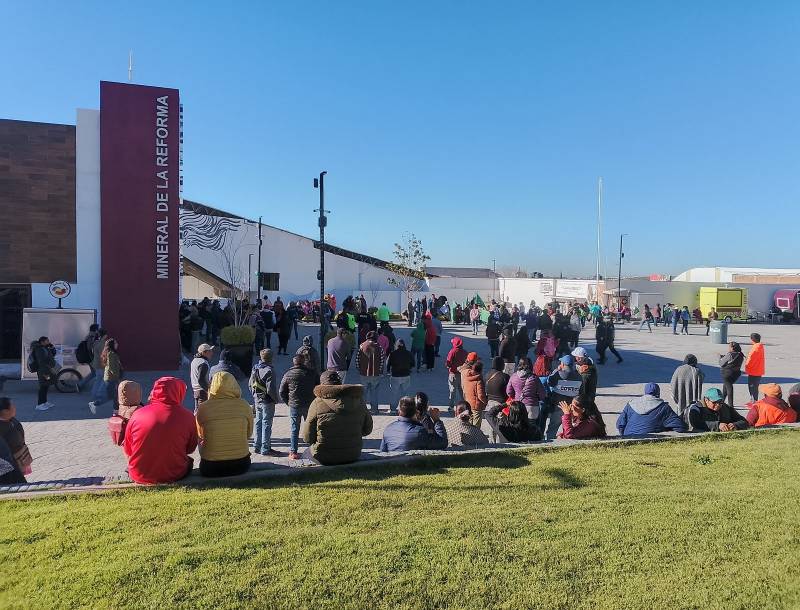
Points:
(482, 127)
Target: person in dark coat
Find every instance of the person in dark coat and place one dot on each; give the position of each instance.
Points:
(493, 337)
(226, 365)
(284, 328)
(730, 368)
(604, 335)
(588, 373)
(522, 345)
(408, 434)
(297, 391)
(508, 350)
(713, 415)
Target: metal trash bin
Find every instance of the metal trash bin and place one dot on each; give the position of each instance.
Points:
(718, 331)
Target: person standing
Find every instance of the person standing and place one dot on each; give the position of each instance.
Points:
(309, 354)
(493, 337)
(712, 315)
(525, 387)
(647, 318)
(675, 314)
(686, 384)
(199, 376)
(89, 341)
(284, 328)
(264, 388)
(294, 315)
(730, 368)
(106, 387)
(754, 365)
(604, 335)
(532, 324)
(658, 314)
(475, 318)
(588, 373)
(43, 357)
(474, 388)
(399, 366)
(268, 317)
(685, 317)
(297, 391)
(430, 343)
(369, 362)
(437, 326)
(418, 344)
(384, 313)
(508, 350)
(455, 358)
(339, 351)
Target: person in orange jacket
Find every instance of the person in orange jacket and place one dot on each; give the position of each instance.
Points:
(754, 365)
(771, 409)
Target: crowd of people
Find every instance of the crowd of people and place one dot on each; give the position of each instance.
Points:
(522, 397)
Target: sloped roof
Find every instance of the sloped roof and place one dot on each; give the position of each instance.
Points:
(460, 272)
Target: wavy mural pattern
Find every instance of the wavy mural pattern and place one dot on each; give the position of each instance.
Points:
(204, 231)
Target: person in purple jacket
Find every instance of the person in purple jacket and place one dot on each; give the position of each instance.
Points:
(648, 414)
(526, 387)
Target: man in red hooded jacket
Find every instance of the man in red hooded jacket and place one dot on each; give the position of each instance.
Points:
(455, 358)
(160, 436)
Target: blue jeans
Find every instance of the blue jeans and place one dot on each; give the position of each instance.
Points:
(87, 380)
(295, 417)
(646, 321)
(262, 427)
(105, 391)
(399, 387)
(475, 327)
(675, 324)
(416, 356)
(372, 387)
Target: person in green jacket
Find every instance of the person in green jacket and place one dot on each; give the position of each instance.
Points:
(384, 314)
(418, 344)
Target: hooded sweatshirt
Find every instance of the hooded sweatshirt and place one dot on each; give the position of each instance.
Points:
(526, 387)
(224, 421)
(418, 337)
(646, 415)
(130, 398)
(337, 420)
(473, 388)
(309, 352)
(754, 363)
(770, 410)
(456, 356)
(160, 436)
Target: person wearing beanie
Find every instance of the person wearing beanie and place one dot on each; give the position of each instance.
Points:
(226, 365)
(337, 421)
(474, 387)
(456, 357)
(771, 409)
(648, 414)
(309, 354)
(264, 388)
(687, 384)
(565, 383)
(713, 415)
(129, 394)
(462, 433)
(199, 373)
(369, 362)
(794, 399)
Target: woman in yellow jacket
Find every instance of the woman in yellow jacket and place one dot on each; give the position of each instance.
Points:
(224, 425)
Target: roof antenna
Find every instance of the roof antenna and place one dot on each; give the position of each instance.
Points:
(130, 66)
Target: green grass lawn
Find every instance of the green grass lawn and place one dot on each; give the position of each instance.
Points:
(706, 523)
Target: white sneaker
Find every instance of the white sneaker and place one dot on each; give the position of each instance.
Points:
(50, 405)
(93, 408)
(42, 407)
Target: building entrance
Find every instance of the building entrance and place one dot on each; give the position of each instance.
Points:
(13, 299)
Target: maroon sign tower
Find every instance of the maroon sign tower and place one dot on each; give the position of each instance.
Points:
(139, 180)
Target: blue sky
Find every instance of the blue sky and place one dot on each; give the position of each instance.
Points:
(482, 127)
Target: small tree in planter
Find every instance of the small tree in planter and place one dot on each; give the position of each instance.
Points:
(408, 267)
(239, 341)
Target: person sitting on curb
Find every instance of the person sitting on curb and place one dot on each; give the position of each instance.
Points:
(224, 427)
(337, 420)
(581, 420)
(510, 423)
(160, 437)
(461, 433)
(588, 372)
(565, 384)
(648, 414)
(406, 433)
(771, 409)
(713, 415)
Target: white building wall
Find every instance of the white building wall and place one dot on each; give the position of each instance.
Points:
(86, 292)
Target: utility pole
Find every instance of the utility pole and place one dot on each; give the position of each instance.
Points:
(319, 183)
(494, 277)
(619, 275)
(599, 221)
(249, 276)
(258, 283)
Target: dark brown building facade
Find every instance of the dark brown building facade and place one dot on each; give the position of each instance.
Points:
(37, 202)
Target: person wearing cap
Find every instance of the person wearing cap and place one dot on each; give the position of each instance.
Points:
(687, 384)
(264, 388)
(199, 373)
(771, 409)
(588, 372)
(713, 415)
(399, 366)
(369, 362)
(648, 414)
(309, 353)
(461, 432)
(456, 357)
(473, 386)
(337, 421)
(565, 383)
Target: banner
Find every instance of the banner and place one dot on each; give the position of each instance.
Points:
(139, 191)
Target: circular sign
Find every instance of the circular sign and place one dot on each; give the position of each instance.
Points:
(60, 289)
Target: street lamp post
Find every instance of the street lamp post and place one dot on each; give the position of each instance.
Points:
(319, 183)
(249, 276)
(619, 274)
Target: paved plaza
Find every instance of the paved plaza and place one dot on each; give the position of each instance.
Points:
(70, 445)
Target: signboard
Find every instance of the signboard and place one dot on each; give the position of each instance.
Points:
(139, 190)
(60, 289)
(546, 288)
(574, 289)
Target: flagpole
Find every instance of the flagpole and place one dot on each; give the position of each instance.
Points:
(599, 223)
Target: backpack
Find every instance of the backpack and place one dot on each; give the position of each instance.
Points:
(83, 354)
(32, 365)
(541, 368)
(116, 428)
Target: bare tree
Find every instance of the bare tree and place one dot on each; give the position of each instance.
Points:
(234, 274)
(408, 267)
(374, 290)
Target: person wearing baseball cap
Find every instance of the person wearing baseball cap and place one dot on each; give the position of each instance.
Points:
(199, 376)
(565, 384)
(713, 415)
(588, 372)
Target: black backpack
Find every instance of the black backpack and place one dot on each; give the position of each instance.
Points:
(83, 354)
(32, 365)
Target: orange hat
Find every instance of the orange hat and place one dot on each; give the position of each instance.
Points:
(472, 357)
(770, 389)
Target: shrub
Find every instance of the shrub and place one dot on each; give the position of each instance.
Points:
(238, 335)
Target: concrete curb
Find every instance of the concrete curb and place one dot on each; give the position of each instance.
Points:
(24, 492)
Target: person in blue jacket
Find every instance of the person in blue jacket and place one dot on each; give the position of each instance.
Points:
(407, 433)
(648, 414)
